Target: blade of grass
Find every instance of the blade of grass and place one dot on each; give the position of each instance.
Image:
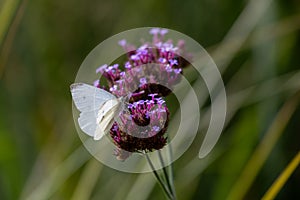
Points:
(87, 180)
(237, 100)
(64, 170)
(14, 10)
(7, 43)
(144, 183)
(279, 183)
(239, 32)
(264, 148)
(52, 182)
(273, 31)
(8, 9)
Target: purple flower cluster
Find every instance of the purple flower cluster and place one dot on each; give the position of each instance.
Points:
(149, 74)
(143, 126)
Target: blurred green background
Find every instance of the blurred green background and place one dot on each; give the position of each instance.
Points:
(255, 44)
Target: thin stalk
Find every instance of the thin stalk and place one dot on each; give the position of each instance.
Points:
(171, 171)
(166, 190)
(166, 174)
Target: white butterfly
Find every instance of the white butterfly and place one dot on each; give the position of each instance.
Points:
(98, 109)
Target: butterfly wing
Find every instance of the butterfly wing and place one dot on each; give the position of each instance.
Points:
(89, 99)
(106, 116)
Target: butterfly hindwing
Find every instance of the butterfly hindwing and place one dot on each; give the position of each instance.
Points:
(106, 116)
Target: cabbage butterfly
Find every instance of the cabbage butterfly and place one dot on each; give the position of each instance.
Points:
(98, 109)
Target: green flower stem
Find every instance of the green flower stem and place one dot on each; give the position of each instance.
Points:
(166, 174)
(165, 188)
(171, 172)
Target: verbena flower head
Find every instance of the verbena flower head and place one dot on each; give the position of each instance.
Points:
(143, 127)
(149, 74)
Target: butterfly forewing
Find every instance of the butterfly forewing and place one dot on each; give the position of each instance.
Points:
(88, 98)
